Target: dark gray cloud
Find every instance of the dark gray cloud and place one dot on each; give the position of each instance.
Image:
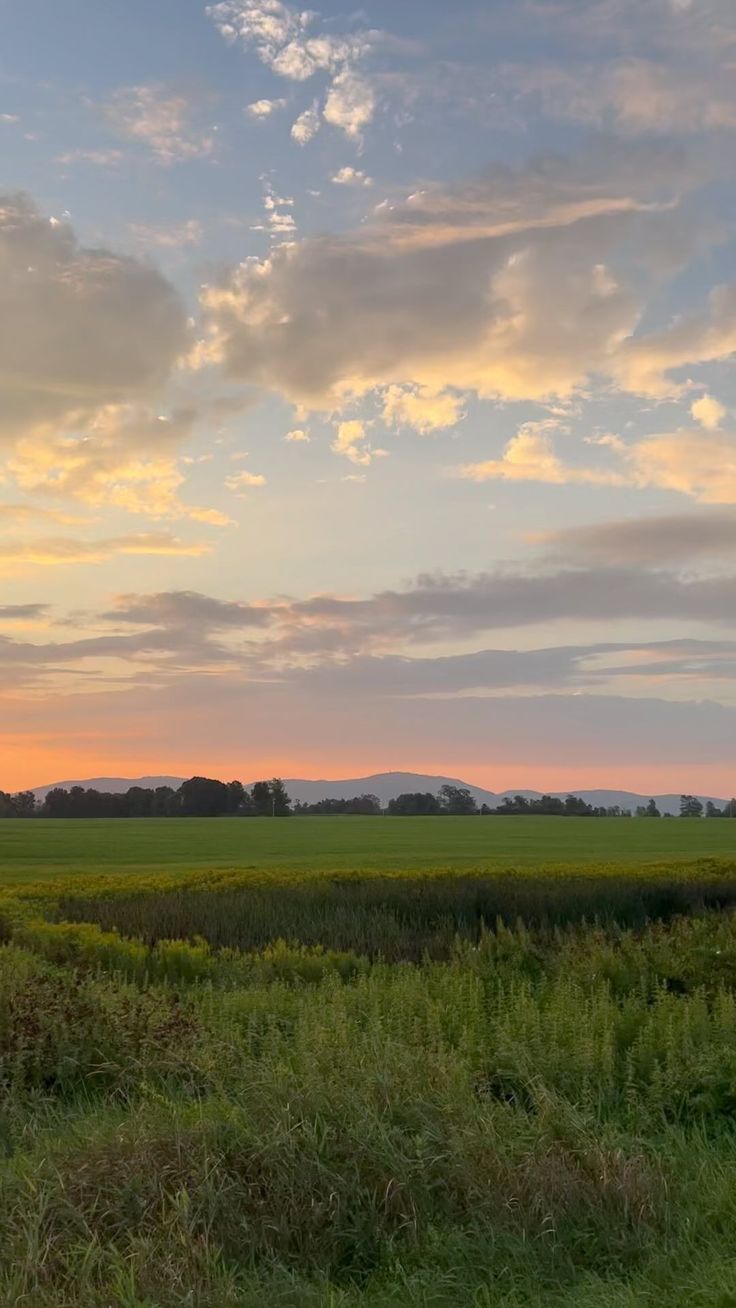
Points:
(661, 541)
(329, 646)
(436, 607)
(440, 606)
(189, 609)
(79, 328)
(13, 612)
(563, 666)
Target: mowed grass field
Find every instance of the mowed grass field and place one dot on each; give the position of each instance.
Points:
(47, 848)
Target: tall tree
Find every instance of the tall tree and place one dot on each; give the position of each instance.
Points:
(280, 802)
(203, 797)
(261, 799)
(690, 807)
(457, 801)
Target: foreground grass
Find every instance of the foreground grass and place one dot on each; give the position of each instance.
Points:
(402, 1102)
(48, 848)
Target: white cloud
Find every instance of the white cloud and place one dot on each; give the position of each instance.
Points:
(421, 408)
(285, 40)
(351, 441)
(701, 464)
(306, 126)
(643, 364)
(350, 103)
(351, 177)
(241, 481)
(281, 37)
(297, 435)
(264, 108)
(530, 456)
(279, 220)
(708, 411)
(160, 120)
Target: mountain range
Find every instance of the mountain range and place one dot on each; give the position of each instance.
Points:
(387, 785)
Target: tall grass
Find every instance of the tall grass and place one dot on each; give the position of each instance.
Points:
(371, 1094)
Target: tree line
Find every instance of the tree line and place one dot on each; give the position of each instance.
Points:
(206, 797)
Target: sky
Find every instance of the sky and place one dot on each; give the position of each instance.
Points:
(366, 391)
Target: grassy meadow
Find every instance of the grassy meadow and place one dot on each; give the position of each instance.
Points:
(345, 1063)
(51, 847)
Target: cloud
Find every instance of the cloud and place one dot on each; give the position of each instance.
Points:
(54, 551)
(262, 109)
(171, 237)
(530, 456)
(22, 612)
(86, 328)
(306, 126)
(643, 364)
(188, 609)
(696, 463)
(708, 411)
(241, 481)
(160, 120)
(633, 94)
(298, 434)
(701, 464)
(421, 408)
(285, 40)
(350, 104)
(281, 37)
(99, 158)
(655, 542)
(348, 176)
(574, 666)
(351, 441)
(23, 513)
(91, 343)
(371, 641)
(121, 455)
(464, 289)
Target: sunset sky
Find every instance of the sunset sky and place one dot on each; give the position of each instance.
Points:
(366, 390)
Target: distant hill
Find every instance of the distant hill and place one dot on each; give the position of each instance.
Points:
(387, 785)
(111, 785)
(384, 785)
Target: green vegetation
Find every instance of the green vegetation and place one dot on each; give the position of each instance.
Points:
(38, 849)
(330, 1087)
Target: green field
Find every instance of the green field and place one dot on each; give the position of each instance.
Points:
(47, 847)
(368, 1063)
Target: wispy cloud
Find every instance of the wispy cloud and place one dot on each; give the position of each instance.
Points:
(171, 237)
(57, 551)
(161, 120)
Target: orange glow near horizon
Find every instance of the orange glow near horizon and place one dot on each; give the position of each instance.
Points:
(27, 764)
